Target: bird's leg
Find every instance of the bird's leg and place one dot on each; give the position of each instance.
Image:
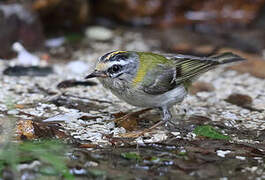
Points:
(167, 118)
(166, 114)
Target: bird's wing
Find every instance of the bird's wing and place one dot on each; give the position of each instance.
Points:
(159, 80)
(191, 67)
(182, 69)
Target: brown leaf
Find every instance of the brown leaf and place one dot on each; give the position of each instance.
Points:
(25, 129)
(242, 100)
(204, 49)
(48, 130)
(130, 120)
(201, 86)
(134, 134)
(198, 120)
(117, 141)
(28, 129)
(88, 146)
(239, 99)
(119, 114)
(183, 47)
(19, 106)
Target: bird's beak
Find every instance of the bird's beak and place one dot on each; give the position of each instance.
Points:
(96, 74)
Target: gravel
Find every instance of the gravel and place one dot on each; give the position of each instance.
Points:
(26, 91)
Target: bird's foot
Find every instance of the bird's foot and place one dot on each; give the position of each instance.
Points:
(170, 123)
(171, 126)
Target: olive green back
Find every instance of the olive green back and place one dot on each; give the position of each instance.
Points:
(147, 62)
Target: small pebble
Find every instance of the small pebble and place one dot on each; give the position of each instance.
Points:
(98, 33)
(241, 157)
(222, 153)
(13, 112)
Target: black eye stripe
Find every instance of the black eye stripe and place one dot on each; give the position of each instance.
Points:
(114, 69)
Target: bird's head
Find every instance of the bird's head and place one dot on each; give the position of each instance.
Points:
(120, 65)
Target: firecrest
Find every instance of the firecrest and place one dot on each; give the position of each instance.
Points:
(153, 80)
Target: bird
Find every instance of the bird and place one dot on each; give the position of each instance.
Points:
(153, 80)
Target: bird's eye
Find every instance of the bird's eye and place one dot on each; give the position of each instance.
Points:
(115, 68)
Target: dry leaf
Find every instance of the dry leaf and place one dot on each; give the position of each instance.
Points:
(25, 129)
(201, 86)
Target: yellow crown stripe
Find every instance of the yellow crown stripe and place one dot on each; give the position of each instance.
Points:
(115, 52)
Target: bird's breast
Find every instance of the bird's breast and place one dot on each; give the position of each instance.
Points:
(134, 95)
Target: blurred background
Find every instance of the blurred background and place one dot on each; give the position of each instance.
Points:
(62, 30)
(186, 26)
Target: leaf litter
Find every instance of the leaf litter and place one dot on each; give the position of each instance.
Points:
(86, 114)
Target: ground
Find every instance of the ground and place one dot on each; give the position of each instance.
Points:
(219, 132)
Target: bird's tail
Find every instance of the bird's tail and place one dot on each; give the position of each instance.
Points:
(227, 57)
(192, 67)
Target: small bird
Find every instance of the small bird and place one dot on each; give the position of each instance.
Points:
(153, 80)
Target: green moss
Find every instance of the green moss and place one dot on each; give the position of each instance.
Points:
(210, 132)
(131, 156)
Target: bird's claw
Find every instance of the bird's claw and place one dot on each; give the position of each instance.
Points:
(171, 126)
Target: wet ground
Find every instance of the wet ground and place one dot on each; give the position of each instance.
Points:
(73, 128)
